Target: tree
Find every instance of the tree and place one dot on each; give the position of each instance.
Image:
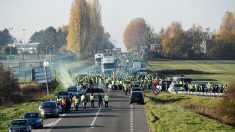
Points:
(137, 34)
(227, 28)
(173, 45)
(5, 37)
(8, 86)
(194, 39)
(223, 46)
(85, 32)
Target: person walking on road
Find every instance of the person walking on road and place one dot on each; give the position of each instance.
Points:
(92, 99)
(100, 101)
(63, 104)
(83, 100)
(106, 100)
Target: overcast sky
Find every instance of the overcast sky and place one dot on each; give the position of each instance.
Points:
(34, 15)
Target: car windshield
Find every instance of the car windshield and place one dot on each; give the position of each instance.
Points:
(19, 122)
(136, 89)
(32, 115)
(72, 89)
(49, 105)
(109, 66)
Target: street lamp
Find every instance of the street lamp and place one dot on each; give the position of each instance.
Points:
(23, 43)
(10, 39)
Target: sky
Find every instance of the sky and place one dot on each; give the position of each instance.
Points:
(34, 15)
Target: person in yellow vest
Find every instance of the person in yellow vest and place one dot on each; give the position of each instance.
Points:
(76, 102)
(83, 100)
(92, 99)
(106, 100)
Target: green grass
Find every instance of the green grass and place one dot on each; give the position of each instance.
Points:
(166, 113)
(221, 70)
(8, 113)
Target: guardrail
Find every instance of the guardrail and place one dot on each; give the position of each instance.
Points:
(210, 94)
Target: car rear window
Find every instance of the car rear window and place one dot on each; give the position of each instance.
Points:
(31, 115)
(137, 95)
(49, 105)
(19, 122)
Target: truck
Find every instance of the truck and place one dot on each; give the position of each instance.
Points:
(136, 65)
(108, 65)
(98, 58)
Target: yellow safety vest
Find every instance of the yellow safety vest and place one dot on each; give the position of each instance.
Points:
(91, 98)
(106, 98)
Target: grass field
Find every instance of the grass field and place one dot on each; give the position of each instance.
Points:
(221, 70)
(166, 113)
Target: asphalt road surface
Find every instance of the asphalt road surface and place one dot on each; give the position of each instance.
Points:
(120, 116)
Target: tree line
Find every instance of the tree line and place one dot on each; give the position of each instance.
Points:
(175, 43)
(50, 39)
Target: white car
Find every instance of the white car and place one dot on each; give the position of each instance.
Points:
(175, 87)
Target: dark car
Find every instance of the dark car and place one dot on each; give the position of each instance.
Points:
(49, 109)
(19, 125)
(137, 96)
(62, 94)
(34, 119)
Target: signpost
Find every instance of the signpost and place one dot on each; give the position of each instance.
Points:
(42, 75)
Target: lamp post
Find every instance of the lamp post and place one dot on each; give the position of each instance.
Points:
(10, 39)
(23, 43)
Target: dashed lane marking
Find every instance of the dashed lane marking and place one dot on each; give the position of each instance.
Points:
(131, 119)
(51, 125)
(93, 122)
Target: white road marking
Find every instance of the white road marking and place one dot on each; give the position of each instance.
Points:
(93, 122)
(131, 119)
(51, 125)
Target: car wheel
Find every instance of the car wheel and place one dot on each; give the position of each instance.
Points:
(41, 126)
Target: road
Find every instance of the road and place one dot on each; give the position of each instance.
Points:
(120, 116)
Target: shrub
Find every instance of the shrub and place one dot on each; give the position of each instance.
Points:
(227, 105)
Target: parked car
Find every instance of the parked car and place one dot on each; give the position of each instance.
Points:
(19, 125)
(136, 96)
(49, 109)
(34, 119)
(175, 87)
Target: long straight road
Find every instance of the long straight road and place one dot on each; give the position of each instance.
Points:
(120, 116)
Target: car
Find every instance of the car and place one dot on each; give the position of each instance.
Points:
(72, 90)
(133, 89)
(135, 83)
(175, 87)
(136, 96)
(34, 119)
(49, 109)
(19, 125)
(62, 94)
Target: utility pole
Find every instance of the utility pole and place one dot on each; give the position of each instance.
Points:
(10, 39)
(23, 43)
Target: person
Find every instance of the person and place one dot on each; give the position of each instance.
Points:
(68, 104)
(76, 102)
(92, 99)
(63, 104)
(83, 100)
(100, 101)
(106, 100)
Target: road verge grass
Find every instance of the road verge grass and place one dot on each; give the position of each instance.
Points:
(166, 112)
